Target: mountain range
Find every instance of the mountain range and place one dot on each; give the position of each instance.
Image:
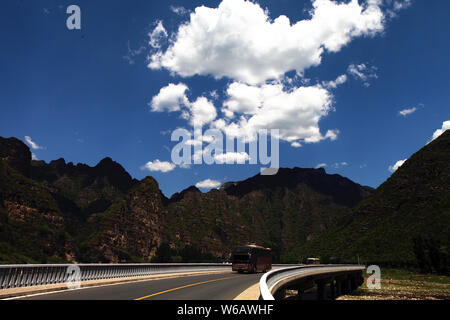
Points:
(61, 212)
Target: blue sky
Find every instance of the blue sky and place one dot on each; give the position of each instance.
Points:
(87, 94)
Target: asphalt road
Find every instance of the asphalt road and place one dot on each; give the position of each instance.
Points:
(222, 286)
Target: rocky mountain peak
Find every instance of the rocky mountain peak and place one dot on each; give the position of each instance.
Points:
(114, 172)
(16, 154)
(343, 190)
(180, 195)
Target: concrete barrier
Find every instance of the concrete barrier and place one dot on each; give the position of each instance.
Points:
(29, 275)
(341, 279)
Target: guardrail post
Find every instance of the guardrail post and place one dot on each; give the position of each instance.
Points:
(320, 289)
(346, 286)
(44, 275)
(338, 286)
(18, 277)
(360, 279)
(12, 277)
(2, 277)
(60, 275)
(332, 289)
(352, 283)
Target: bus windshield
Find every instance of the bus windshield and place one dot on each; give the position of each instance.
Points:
(241, 257)
(242, 249)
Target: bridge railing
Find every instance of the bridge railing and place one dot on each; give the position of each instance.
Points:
(15, 276)
(341, 279)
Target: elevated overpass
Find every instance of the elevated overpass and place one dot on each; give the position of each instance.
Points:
(168, 281)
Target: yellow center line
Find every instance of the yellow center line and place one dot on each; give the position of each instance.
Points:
(187, 286)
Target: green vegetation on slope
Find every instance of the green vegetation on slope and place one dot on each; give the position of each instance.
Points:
(33, 233)
(61, 212)
(414, 203)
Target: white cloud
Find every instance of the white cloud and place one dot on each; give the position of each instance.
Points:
(401, 4)
(243, 98)
(397, 165)
(32, 144)
(406, 112)
(158, 34)
(165, 132)
(159, 166)
(170, 98)
(296, 113)
(202, 112)
(214, 95)
(394, 6)
(438, 132)
(208, 184)
(240, 41)
(232, 157)
(362, 72)
(181, 11)
(34, 157)
(338, 165)
(334, 84)
(173, 98)
(133, 53)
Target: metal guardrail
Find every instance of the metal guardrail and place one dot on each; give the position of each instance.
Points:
(15, 276)
(276, 280)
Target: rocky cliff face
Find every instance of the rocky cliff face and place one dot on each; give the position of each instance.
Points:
(280, 212)
(32, 226)
(15, 154)
(100, 213)
(130, 229)
(413, 204)
(81, 189)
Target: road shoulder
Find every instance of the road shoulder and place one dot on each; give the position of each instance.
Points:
(251, 293)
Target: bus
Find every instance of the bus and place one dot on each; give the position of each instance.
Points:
(313, 261)
(251, 259)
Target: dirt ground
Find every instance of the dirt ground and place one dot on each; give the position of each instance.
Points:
(395, 285)
(405, 285)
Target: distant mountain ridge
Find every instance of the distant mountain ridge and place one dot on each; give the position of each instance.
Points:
(342, 190)
(90, 214)
(404, 219)
(61, 212)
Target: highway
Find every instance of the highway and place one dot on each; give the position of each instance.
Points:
(219, 286)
